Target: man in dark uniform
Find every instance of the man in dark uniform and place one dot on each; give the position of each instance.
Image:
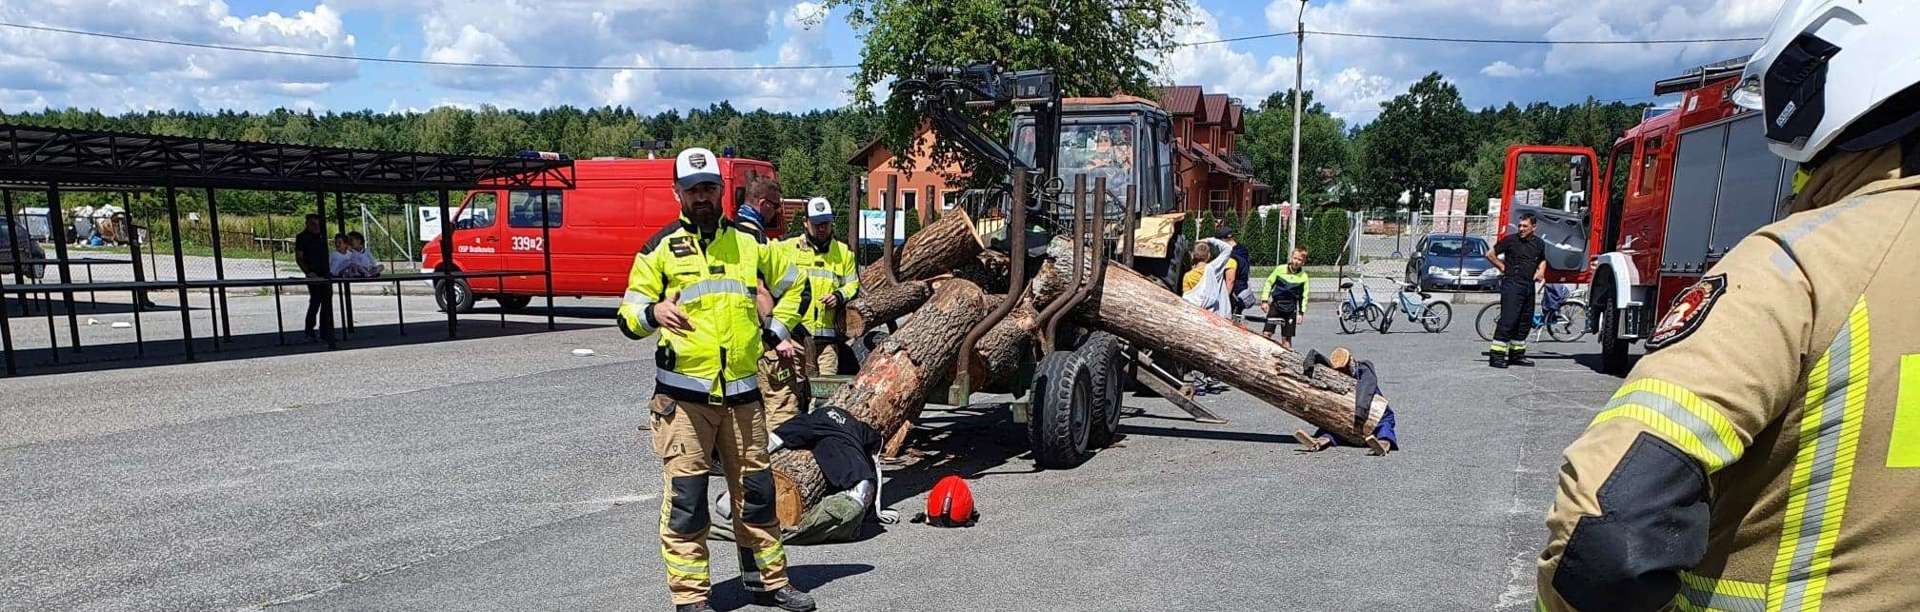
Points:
(311, 253)
(1522, 260)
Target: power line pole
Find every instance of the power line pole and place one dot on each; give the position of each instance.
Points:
(1299, 77)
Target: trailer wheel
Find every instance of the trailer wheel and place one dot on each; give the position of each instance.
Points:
(1104, 358)
(514, 303)
(461, 298)
(1062, 398)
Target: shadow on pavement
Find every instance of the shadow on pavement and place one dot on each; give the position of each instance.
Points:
(121, 355)
(970, 441)
(730, 595)
(1207, 434)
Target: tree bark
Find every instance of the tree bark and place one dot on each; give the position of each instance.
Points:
(1144, 313)
(936, 249)
(885, 303)
(894, 383)
(995, 361)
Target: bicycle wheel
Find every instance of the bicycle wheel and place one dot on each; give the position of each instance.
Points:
(1569, 324)
(1376, 317)
(1489, 318)
(1346, 317)
(1437, 317)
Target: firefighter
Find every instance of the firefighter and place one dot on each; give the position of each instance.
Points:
(1522, 260)
(1763, 456)
(826, 267)
(781, 385)
(695, 282)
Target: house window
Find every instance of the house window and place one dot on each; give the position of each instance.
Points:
(1217, 199)
(950, 198)
(908, 200)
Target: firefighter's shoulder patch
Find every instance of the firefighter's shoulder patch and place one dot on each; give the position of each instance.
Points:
(1689, 310)
(682, 246)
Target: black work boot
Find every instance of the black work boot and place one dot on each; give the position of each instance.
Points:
(1497, 359)
(698, 606)
(1519, 358)
(787, 598)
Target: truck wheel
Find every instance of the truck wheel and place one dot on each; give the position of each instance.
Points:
(1062, 398)
(514, 303)
(462, 295)
(1613, 349)
(1103, 356)
(1177, 262)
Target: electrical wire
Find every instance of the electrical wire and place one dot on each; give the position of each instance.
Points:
(798, 67)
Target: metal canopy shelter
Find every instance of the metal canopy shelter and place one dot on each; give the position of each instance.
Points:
(53, 160)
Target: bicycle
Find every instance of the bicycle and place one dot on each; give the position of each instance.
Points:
(1359, 310)
(1568, 323)
(1432, 314)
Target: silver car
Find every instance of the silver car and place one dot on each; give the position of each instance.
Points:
(1452, 263)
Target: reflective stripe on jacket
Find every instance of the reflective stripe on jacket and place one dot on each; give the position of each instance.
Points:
(823, 272)
(1766, 456)
(714, 280)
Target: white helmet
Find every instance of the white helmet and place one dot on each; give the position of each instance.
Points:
(1861, 47)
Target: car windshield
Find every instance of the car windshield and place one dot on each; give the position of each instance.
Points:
(1457, 247)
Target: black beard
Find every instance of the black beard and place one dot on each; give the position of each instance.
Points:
(705, 216)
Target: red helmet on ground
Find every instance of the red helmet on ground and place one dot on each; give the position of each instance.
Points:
(951, 504)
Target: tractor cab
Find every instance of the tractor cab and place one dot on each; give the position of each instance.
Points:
(1123, 139)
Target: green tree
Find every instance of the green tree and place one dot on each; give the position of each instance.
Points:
(1269, 142)
(1417, 144)
(1093, 48)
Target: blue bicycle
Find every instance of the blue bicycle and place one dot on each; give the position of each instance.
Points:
(1359, 311)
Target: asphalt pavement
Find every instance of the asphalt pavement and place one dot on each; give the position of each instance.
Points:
(503, 472)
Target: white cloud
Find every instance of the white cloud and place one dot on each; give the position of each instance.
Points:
(117, 75)
(1351, 93)
(1503, 70)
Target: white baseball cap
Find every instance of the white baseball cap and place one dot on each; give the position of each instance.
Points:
(695, 166)
(819, 210)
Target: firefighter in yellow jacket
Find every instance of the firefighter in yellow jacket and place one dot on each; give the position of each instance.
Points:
(827, 268)
(695, 283)
(1766, 454)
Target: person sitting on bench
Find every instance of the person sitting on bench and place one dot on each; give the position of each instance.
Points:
(1366, 387)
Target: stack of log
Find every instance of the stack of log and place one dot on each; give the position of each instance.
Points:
(939, 280)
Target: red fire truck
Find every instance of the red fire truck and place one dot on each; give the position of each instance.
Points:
(596, 227)
(1681, 189)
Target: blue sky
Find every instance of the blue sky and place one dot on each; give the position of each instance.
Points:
(1352, 76)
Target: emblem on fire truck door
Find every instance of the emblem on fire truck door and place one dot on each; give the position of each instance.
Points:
(1689, 310)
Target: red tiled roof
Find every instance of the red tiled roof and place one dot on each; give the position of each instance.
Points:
(1233, 116)
(1216, 107)
(1181, 99)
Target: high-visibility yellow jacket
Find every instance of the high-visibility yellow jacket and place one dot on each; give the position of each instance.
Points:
(1766, 454)
(714, 278)
(823, 272)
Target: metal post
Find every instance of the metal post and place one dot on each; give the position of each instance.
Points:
(346, 288)
(399, 300)
(1017, 245)
(20, 233)
(446, 266)
(66, 269)
(219, 267)
(854, 221)
(546, 250)
(279, 319)
(1299, 94)
(179, 272)
(1126, 228)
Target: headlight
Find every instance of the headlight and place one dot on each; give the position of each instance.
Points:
(1749, 95)
(1489, 273)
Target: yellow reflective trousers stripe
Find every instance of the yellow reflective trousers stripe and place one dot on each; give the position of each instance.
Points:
(1823, 467)
(1719, 594)
(1679, 416)
(682, 567)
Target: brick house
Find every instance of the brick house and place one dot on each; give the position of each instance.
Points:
(923, 193)
(1210, 170)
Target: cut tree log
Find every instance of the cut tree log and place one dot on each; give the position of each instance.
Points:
(1143, 312)
(990, 270)
(995, 361)
(936, 249)
(894, 383)
(884, 303)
